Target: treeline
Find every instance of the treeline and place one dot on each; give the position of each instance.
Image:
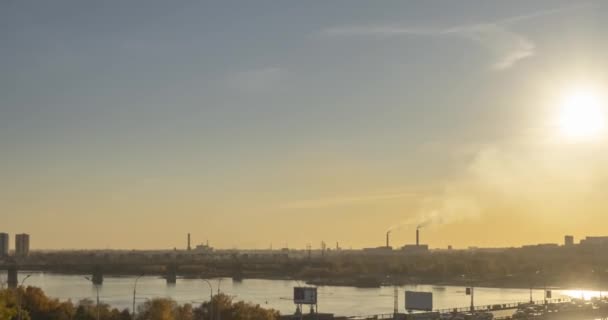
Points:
(535, 267)
(31, 303)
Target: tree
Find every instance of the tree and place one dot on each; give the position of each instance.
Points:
(158, 309)
(8, 307)
(8, 310)
(37, 306)
(229, 310)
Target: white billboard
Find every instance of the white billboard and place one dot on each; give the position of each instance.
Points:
(415, 300)
(304, 295)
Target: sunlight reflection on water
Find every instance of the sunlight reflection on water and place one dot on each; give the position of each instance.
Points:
(118, 291)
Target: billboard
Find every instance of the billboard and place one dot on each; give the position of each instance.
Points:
(304, 295)
(415, 300)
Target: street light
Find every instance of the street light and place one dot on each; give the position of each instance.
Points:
(134, 293)
(19, 296)
(219, 313)
(470, 291)
(97, 291)
(532, 286)
(210, 298)
(600, 275)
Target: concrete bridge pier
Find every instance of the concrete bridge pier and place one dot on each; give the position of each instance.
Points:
(12, 280)
(97, 277)
(171, 273)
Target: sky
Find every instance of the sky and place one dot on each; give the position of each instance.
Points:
(128, 124)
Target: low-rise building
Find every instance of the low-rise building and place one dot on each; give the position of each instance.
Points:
(595, 241)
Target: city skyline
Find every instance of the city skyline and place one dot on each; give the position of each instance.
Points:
(21, 246)
(130, 125)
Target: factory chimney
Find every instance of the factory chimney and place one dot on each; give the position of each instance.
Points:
(388, 233)
(189, 247)
(417, 236)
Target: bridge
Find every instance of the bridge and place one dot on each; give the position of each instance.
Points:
(97, 271)
(493, 308)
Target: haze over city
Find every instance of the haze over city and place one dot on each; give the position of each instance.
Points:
(127, 125)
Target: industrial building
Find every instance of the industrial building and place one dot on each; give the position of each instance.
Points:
(22, 245)
(203, 248)
(4, 244)
(407, 249)
(415, 248)
(378, 250)
(387, 249)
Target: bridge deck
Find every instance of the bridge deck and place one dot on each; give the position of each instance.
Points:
(494, 308)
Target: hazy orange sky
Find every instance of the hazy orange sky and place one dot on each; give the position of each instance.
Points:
(131, 124)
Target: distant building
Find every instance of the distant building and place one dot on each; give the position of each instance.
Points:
(541, 246)
(568, 241)
(22, 245)
(595, 241)
(4, 242)
(415, 248)
(203, 248)
(378, 250)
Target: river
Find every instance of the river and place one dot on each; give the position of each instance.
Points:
(277, 294)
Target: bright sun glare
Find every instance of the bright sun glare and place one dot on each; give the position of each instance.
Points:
(582, 115)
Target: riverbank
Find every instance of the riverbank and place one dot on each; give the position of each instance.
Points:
(352, 282)
(117, 291)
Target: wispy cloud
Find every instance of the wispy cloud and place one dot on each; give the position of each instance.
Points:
(256, 80)
(346, 200)
(377, 31)
(507, 47)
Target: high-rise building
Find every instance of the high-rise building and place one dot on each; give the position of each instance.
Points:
(22, 245)
(4, 241)
(568, 241)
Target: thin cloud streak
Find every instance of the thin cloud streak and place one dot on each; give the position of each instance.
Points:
(378, 31)
(346, 200)
(260, 80)
(507, 46)
(543, 13)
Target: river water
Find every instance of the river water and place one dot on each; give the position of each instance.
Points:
(277, 294)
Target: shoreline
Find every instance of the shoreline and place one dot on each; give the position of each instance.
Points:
(349, 283)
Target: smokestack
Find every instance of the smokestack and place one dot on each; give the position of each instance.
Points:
(418, 236)
(189, 248)
(388, 233)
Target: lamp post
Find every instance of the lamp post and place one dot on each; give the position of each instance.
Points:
(19, 296)
(600, 277)
(97, 291)
(601, 282)
(470, 291)
(532, 286)
(210, 298)
(219, 313)
(134, 293)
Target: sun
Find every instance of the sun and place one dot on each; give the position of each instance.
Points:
(582, 115)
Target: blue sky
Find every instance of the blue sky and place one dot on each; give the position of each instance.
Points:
(206, 113)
